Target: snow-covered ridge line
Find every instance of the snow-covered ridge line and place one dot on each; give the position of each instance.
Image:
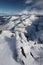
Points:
(21, 40)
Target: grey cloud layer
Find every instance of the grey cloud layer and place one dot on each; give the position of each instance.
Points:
(34, 4)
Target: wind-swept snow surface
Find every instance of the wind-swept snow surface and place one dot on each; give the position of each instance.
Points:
(21, 40)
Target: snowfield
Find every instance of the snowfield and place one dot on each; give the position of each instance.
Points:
(21, 40)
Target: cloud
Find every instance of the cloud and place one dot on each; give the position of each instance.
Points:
(34, 4)
(24, 12)
(28, 1)
(34, 12)
(38, 4)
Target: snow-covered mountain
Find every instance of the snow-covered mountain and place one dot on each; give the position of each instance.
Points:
(21, 40)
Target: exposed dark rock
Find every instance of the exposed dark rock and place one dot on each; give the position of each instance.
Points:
(0, 31)
(22, 50)
(31, 54)
(23, 62)
(35, 43)
(12, 36)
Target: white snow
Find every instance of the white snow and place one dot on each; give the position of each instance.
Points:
(13, 18)
(18, 49)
